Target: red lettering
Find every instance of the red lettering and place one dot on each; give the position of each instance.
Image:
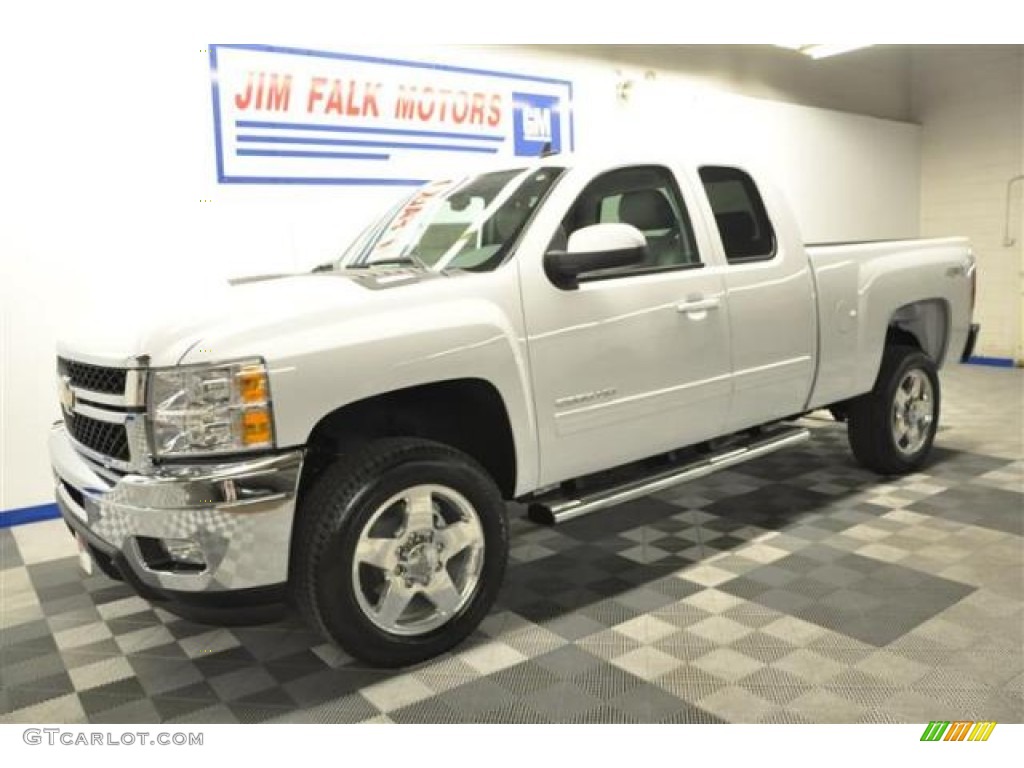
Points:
(441, 105)
(243, 101)
(444, 94)
(494, 113)
(315, 94)
(334, 101)
(280, 93)
(476, 112)
(427, 104)
(407, 213)
(272, 92)
(460, 107)
(350, 105)
(259, 93)
(405, 105)
(415, 206)
(370, 99)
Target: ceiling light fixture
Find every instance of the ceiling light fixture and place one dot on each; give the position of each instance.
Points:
(823, 50)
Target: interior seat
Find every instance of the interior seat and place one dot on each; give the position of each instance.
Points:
(650, 212)
(739, 237)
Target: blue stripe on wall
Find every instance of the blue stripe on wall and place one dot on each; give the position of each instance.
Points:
(998, 362)
(296, 153)
(372, 131)
(364, 143)
(24, 515)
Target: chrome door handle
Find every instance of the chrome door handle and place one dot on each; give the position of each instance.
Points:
(698, 305)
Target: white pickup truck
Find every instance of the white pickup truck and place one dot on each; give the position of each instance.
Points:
(570, 335)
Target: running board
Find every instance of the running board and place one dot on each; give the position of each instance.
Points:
(558, 507)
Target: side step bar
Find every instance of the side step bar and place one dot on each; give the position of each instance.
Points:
(557, 507)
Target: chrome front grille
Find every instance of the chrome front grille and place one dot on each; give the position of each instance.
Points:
(95, 378)
(104, 413)
(103, 437)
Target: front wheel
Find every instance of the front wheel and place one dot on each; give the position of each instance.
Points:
(400, 550)
(891, 429)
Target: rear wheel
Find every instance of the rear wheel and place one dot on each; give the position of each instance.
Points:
(400, 550)
(891, 429)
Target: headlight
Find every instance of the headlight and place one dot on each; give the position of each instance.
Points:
(210, 409)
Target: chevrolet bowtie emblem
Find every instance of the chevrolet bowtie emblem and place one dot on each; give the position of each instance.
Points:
(67, 394)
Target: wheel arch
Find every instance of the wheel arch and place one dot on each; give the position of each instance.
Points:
(468, 414)
(924, 324)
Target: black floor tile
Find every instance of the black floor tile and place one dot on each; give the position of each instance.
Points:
(772, 507)
(435, 711)
(112, 695)
(478, 696)
(172, 706)
(877, 605)
(995, 509)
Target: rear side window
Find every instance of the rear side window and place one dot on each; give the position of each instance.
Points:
(742, 221)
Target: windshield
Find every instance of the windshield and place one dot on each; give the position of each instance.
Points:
(469, 223)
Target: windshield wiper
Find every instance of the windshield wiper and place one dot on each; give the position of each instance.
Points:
(410, 258)
(325, 267)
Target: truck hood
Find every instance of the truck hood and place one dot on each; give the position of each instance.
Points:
(212, 321)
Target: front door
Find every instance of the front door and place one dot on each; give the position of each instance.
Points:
(635, 361)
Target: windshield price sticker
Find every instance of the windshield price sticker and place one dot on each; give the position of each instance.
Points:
(400, 231)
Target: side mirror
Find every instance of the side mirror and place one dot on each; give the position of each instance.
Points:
(599, 246)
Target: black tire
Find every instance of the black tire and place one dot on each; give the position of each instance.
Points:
(340, 508)
(872, 427)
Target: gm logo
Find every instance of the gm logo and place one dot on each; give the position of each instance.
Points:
(536, 121)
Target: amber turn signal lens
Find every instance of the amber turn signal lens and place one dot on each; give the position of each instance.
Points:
(256, 426)
(252, 385)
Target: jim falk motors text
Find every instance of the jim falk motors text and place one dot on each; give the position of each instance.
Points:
(275, 92)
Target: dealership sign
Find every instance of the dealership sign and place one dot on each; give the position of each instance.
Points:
(288, 115)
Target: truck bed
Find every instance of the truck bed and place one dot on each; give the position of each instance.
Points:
(862, 286)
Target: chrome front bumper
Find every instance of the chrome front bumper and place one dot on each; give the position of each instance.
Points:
(239, 514)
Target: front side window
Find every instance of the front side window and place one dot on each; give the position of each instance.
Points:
(742, 221)
(469, 224)
(647, 198)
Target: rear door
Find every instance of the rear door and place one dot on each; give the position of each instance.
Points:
(636, 360)
(770, 292)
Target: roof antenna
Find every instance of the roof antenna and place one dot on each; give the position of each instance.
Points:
(547, 151)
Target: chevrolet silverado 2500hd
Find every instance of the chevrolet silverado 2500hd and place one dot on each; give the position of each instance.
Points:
(345, 440)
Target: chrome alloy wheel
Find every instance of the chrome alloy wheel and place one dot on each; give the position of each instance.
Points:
(913, 412)
(418, 560)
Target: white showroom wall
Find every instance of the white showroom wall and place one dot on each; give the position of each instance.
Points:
(970, 103)
(113, 199)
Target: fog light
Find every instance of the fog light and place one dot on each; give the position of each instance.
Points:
(185, 551)
(172, 555)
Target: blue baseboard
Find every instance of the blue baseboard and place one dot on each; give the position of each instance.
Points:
(12, 517)
(998, 362)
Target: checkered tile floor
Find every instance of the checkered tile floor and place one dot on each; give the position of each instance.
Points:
(796, 589)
